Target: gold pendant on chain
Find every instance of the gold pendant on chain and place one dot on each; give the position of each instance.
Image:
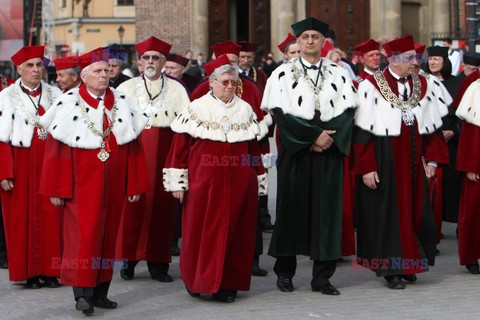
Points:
(42, 134)
(103, 155)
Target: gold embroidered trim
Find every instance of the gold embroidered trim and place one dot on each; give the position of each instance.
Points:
(239, 91)
(225, 125)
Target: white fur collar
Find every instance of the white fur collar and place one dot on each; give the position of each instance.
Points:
(16, 107)
(65, 122)
(380, 117)
(469, 108)
(173, 98)
(296, 97)
(210, 118)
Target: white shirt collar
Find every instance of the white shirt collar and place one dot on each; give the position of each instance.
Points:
(31, 90)
(367, 71)
(394, 74)
(95, 96)
(308, 64)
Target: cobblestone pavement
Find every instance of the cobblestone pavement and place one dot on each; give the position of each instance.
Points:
(447, 291)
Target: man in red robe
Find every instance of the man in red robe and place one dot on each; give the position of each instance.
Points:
(468, 162)
(93, 161)
(147, 226)
(68, 73)
(4, 83)
(246, 57)
(32, 226)
(370, 57)
(397, 145)
(228, 52)
(214, 167)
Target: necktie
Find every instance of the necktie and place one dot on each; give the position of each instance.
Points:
(313, 67)
(405, 92)
(99, 99)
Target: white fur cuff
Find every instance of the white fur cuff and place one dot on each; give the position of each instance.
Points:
(269, 160)
(262, 184)
(175, 179)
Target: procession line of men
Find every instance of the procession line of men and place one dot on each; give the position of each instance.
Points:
(86, 174)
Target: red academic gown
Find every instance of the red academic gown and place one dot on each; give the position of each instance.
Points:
(219, 213)
(5, 82)
(396, 221)
(465, 84)
(147, 226)
(32, 223)
(348, 232)
(95, 192)
(468, 160)
(260, 79)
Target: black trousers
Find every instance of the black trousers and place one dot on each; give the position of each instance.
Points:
(3, 243)
(177, 231)
(99, 291)
(258, 237)
(321, 271)
(153, 267)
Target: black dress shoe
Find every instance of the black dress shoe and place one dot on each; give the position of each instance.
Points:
(162, 277)
(175, 251)
(395, 282)
(258, 272)
(267, 226)
(285, 284)
(52, 282)
(3, 264)
(192, 294)
(327, 289)
(104, 303)
(473, 268)
(127, 273)
(409, 277)
(84, 305)
(33, 283)
(227, 296)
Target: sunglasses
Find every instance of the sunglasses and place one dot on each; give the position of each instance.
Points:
(225, 83)
(146, 57)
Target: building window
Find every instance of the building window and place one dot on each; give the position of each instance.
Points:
(124, 2)
(63, 4)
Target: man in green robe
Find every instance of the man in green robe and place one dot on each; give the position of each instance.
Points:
(312, 101)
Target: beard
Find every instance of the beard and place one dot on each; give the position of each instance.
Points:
(150, 71)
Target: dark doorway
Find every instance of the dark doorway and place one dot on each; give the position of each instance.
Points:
(241, 17)
(349, 19)
(240, 20)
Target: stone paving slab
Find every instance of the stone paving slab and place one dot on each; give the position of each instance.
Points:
(447, 291)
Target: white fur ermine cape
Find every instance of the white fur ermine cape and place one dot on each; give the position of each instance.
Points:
(65, 122)
(13, 127)
(296, 97)
(380, 117)
(469, 107)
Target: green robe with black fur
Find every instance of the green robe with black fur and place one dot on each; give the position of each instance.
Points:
(310, 184)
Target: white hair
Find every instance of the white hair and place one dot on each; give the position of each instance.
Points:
(224, 69)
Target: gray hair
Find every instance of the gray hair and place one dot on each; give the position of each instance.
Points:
(72, 71)
(87, 68)
(224, 69)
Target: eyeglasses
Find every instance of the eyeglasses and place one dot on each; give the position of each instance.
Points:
(146, 57)
(225, 83)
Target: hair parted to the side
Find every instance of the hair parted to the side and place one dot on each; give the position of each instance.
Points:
(224, 69)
